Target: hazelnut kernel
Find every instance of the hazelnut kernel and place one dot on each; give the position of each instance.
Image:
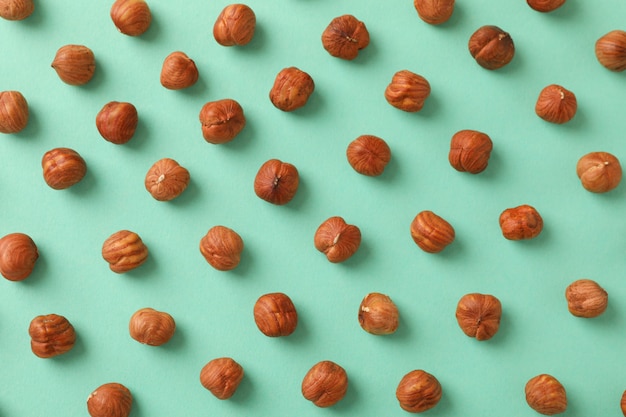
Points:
(368, 155)
(51, 335)
(479, 315)
(586, 298)
(62, 168)
(418, 391)
(556, 104)
(117, 121)
(434, 12)
(292, 89)
(276, 182)
(235, 25)
(221, 377)
(275, 315)
(222, 247)
(178, 71)
(16, 9)
(345, 36)
(131, 17)
(325, 384)
(599, 172)
(611, 50)
(151, 327)
(521, 222)
(431, 232)
(622, 403)
(337, 239)
(124, 251)
(407, 91)
(221, 120)
(491, 47)
(13, 112)
(378, 315)
(166, 179)
(74, 64)
(546, 395)
(545, 6)
(470, 151)
(18, 254)
(110, 400)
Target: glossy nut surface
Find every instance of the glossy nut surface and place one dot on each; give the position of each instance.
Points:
(18, 255)
(292, 89)
(221, 377)
(556, 104)
(521, 222)
(51, 335)
(221, 120)
(117, 121)
(407, 91)
(431, 232)
(368, 155)
(418, 391)
(235, 25)
(378, 314)
(74, 64)
(151, 327)
(337, 239)
(275, 315)
(325, 384)
(434, 12)
(178, 71)
(599, 172)
(222, 248)
(13, 112)
(276, 182)
(62, 168)
(586, 298)
(131, 17)
(479, 315)
(491, 47)
(124, 251)
(546, 395)
(110, 400)
(611, 50)
(470, 151)
(345, 36)
(166, 179)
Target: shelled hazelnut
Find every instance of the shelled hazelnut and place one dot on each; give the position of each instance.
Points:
(521, 222)
(325, 384)
(51, 335)
(546, 395)
(545, 6)
(434, 12)
(611, 50)
(491, 47)
(166, 179)
(407, 91)
(124, 251)
(221, 377)
(62, 168)
(13, 112)
(345, 36)
(276, 182)
(151, 327)
(178, 71)
(599, 172)
(418, 391)
(18, 255)
(110, 400)
(117, 121)
(470, 151)
(222, 247)
(586, 298)
(622, 403)
(275, 315)
(235, 25)
(431, 232)
(221, 120)
(556, 104)
(337, 239)
(368, 155)
(292, 89)
(16, 9)
(479, 315)
(131, 17)
(378, 314)
(74, 64)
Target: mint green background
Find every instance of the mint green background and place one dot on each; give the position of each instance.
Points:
(533, 162)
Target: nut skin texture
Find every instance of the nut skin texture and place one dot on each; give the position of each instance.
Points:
(235, 25)
(178, 71)
(345, 36)
(470, 151)
(131, 17)
(599, 172)
(13, 112)
(166, 179)
(221, 377)
(434, 12)
(521, 222)
(479, 315)
(51, 335)
(491, 47)
(431, 232)
(556, 104)
(407, 91)
(418, 391)
(325, 384)
(117, 121)
(337, 239)
(151, 327)
(74, 64)
(222, 247)
(275, 315)
(586, 298)
(16, 9)
(545, 6)
(276, 182)
(18, 255)
(378, 315)
(546, 395)
(622, 403)
(368, 155)
(62, 168)
(611, 50)
(221, 120)
(110, 400)
(292, 89)
(124, 251)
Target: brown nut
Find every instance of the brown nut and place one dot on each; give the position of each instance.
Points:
(62, 168)
(16, 9)
(491, 47)
(368, 155)
(434, 12)
(556, 104)
(110, 400)
(178, 71)
(521, 222)
(599, 172)
(479, 315)
(407, 91)
(470, 151)
(222, 377)
(51, 335)
(235, 25)
(166, 179)
(546, 395)
(418, 391)
(221, 120)
(151, 327)
(345, 36)
(275, 315)
(623, 403)
(18, 254)
(545, 6)
(611, 50)
(117, 122)
(74, 64)
(276, 182)
(13, 112)
(336, 239)
(325, 384)
(378, 314)
(131, 17)
(585, 298)
(292, 89)
(431, 232)
(124, 251)
(222, 247)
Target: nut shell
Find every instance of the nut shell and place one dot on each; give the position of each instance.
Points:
(546, 395)
(110, 400)
(470, 151)
(276, 182)
(378, 314)
(275, 315)
(431, 232)
(418, 391)
(521, 222)
(178, 71)
(166, 179)
(407, 91)
(16, 9)
(556, 104)
(479, 315)
(337, 239)
(131, 17)
(124, 251)
(345, 36)
(434, 12)
(221, 120)
(18, 255)
(368, 155)
(292, 89)
(117, 121)
(51, 335)
(13, 112)
(62, 168)
(74, 64)
(611, 50)
(599, 172)
(325, 384)
(545, 6)
(151, 327)
(222, 247)
(222, 377)
(586, 298)
(235, 25)
(491, 47)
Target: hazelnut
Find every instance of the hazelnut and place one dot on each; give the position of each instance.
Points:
(292, 89)
(546, 395)
(235, 25)
(276, 182)
(124, 250)
(378, 314)
(585, 298)
(13, 112)
(491, 47)
(18, 254)
(611, 50)
(221, 376)
(470, 151)
(16, 9)
(131, 17)
(368, 155)
(434, 12)
(110, 400)
(545, 6)
(336, 239)
(151, 327)
(62, 168)
(221, 120)
(222, 247)
(623, 403)
(51, 335)
(431, 232)
(599, 172)
(479, 315)
(74, 64)
(275, 315)
(522, 222)
(556, 104)
(345, 36)
(407, 91)
(178, 71)
(166, 179)
(117, 121)
(325, 384)
(418, 391)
